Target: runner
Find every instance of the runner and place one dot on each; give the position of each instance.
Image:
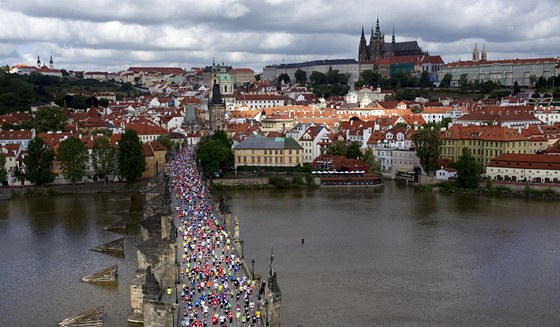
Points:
(211, 276)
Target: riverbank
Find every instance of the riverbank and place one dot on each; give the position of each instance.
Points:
(543, 192)
(82, 188)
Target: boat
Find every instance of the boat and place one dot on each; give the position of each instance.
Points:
(406, 177)
(356, 178)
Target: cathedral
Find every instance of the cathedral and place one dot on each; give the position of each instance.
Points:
(377, 48)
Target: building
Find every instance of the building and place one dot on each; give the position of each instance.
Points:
(154, 152)
(255, 101)
(22, 136)
(217, 109)
(378, 48)
(505, 72)
(444, 174)
(268, 151)
(349, 67)
(218, 74)
(147, 132)
(276, 122)
(484, 142)
(513, 117)
(530, 168)
(39, 69)
(242, 75)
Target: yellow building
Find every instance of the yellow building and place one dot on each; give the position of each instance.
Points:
(268, 151)
(154, 153)
(484, 142)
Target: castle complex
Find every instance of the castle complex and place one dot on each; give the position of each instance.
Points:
(377, 48)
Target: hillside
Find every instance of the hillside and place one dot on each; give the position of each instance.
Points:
(20, 93)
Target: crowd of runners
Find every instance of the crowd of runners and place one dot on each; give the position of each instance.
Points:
(214, 291)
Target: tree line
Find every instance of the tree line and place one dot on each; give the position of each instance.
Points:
(21, 92)
(331, 83)
(127, 159)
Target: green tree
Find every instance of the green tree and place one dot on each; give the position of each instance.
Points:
(73, 156)
(222, 137)
(49, 119)
(103, 102)
(131, 158)
(425, 80)
(38, 162)
(301, 76)
(464, 81)
(373, 163)
(317, 78)
(427, 145)
(446, 80)
(103, 156)
(468, 170)
(283, 77)
(353, 151)
(532, 79)
(516, 88)
(337, 148)
(165, 140)
(490, 86)
(213, 155)
(371, 77)
(3, 172)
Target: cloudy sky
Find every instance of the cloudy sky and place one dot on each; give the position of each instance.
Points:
(110, 35)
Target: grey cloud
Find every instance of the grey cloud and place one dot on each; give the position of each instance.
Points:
(254, 32)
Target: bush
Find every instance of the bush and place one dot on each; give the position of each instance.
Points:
(502, 190)
(309, 179)
(297, 180)
(279, 182)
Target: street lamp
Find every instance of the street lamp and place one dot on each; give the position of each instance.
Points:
(253, 266)
(176, 294)
(242, 252)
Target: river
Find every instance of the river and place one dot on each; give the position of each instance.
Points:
(46, 242)
(401, 257)
(387, 257)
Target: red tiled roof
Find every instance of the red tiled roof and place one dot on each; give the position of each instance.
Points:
(486, 133)
(163, 70)
(16, 135)
(502, 62)
(526, 161)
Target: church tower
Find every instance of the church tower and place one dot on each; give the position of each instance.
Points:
(38, 62)
(475, 53)
(216, 109)
(51, 64)
(484, 55)
(363, 50)
(377, 42)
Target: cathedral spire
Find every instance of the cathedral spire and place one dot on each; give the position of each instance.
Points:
(393, 38)
(38, 61)
(377, 28)
(51, 63)
(362, 49)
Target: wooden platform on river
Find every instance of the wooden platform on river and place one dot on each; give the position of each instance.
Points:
(90, 318)
(104, 275)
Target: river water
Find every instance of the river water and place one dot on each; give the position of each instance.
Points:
(400, 257)
(387, 257)
(45, 244)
